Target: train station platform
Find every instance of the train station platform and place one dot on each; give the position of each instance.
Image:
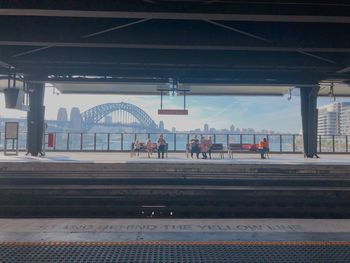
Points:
(109, 207)
(124, 157)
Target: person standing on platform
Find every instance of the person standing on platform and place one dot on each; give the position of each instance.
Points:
(149, 147)
(161, 145)
(204, 147)
(195, 146)
(137, 146)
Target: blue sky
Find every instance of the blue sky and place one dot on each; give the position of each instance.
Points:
(272, 113)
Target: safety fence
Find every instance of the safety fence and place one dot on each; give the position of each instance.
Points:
(283, 143)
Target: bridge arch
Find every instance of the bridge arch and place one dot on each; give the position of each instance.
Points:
(91, 116)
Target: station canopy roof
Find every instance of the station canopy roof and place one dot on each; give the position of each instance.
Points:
(339, 89)
(209, 47)
(149, 88)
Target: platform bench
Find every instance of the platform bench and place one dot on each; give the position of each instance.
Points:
(218, 148)
(238, 147)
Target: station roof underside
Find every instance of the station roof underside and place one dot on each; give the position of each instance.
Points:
(129, 88)
(208, 47)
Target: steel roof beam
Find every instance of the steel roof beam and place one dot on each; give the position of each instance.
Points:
(179, 47)
(176, 16)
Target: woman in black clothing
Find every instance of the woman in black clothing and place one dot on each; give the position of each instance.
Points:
(161, 146)
(195, 146)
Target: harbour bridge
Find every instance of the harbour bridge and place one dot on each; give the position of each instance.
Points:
(124, 115)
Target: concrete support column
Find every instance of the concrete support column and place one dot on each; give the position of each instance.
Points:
(35, 118)
(309, 115)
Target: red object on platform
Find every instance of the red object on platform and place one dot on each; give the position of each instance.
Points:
(51, 140)
(172, 112)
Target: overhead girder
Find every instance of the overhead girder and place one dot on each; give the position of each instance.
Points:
(170, 62)
(133, 41)
(74, 30)
(225, 11)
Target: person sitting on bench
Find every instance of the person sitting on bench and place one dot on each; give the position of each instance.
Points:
(263, 148)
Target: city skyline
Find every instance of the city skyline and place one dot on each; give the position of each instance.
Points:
(259, 113)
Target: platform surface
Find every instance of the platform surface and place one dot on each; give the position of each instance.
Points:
(124, 157)
(174, 240)
(152, 229)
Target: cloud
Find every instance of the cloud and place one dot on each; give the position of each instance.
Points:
(274, 113)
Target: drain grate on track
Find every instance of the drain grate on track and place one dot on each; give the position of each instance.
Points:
(199, 252)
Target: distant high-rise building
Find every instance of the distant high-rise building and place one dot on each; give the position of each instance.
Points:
(75, 119)
(62, 114)
(161, 126)
(173, 129)
(206, 128)
(334, 119)
(251, 130)
(345, 118)
(232, 128)
(264, 131)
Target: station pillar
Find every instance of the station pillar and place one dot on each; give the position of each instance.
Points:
(35, 118)
(309, 115)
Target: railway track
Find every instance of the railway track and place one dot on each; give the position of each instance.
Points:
(174, 190)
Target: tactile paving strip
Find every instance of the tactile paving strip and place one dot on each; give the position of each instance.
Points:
(169, 252)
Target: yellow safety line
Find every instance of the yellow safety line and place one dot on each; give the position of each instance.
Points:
(178, 243)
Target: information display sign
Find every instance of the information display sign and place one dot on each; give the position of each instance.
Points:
(172, 112)
(11, 130)
(11, 138)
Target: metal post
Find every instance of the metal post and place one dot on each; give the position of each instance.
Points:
(174, 142)
(254, 139)
(346, 144)
(280, 142)
(333, 145)
(81, 141)
(227, 140)
(214, 138)
(68, 142)
(55, 141)
(320, 142)
(184, 100)
(35, 119)
(95, 142)
(308, 97)
(240, 139)
(108, 139)
(293, 143)
(121, 142)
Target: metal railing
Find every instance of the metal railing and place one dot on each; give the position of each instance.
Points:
(105, 142)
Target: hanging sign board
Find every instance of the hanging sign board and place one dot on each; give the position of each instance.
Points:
(172, 112)
(11, 130)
